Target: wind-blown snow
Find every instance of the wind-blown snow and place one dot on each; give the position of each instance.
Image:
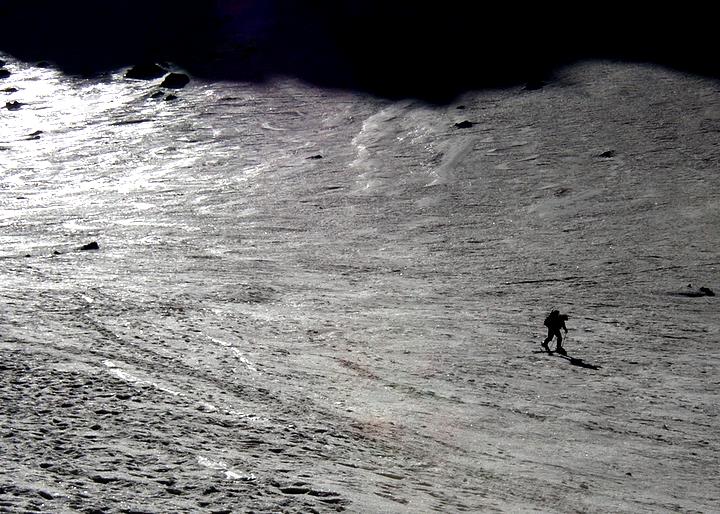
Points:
(310, 299)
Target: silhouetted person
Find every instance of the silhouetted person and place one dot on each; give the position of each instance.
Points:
(554, 322)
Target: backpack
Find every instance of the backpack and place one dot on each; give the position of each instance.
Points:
(549, 320)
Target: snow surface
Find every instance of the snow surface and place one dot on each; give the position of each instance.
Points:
(312, 300)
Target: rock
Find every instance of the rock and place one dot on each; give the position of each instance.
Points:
(90, 246)
(318, 156)
(691, 292)
(175, 81)
(608, 154)
(45, 494)
(4, 73)
(464, 124)
(10, 90)
(170, 98)
(2, 63)
(145, 71)
(157, 94)
(13, 106)
(100, 479)
(460, 107)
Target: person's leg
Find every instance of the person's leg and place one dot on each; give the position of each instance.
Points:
(549, 337)
(558, 336)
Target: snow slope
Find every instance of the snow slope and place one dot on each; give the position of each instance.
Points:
(316, 300)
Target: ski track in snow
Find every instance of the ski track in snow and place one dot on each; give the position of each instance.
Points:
(310, 301)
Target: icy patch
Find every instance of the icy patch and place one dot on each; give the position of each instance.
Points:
(212, 464)
(232, 475)
(222, 466)
(115, 370)
(249, 365)
(220, 342)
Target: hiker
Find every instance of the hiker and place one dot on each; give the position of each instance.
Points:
(554, 322)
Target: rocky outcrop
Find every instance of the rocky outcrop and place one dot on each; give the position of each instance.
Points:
(175, 81)
(691, 292)
(464, 124)
(4, 73)
(145, 71)
(90, 246)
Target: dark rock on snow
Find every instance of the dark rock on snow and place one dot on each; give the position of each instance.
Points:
(695, 293)
(175, 81)
(145, 71)
(464, 124)
(318, 156)
(90, 246)
(170, 97)
(608, 154)
(4, 73)
(10, 90)
(157, 94)
(13, 106)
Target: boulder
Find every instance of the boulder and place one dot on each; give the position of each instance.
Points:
(691, 292)
(4, 73)
(90, 246)
(464, 124)
(145, 71)
(13, 106)
(175, 81)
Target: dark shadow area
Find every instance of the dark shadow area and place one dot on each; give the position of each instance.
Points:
(578, 362)
(431, 51)
(572, 360)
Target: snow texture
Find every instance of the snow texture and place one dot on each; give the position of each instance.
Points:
(314, 300)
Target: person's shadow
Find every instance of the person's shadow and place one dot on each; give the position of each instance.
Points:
(572, 360)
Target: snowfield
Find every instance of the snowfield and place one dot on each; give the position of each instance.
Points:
(314, 300)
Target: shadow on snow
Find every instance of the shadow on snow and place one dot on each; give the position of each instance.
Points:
(572, 360)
